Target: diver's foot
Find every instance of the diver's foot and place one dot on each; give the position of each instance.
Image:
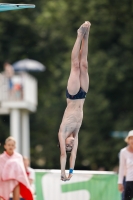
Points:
(88, 25)
(82, 30)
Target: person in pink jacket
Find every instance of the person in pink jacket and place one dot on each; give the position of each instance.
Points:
(13, 177)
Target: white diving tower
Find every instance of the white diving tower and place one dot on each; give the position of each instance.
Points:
(18, 100)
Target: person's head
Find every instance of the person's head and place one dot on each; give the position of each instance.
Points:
(9, 71)
(69, 144)
(129, 139)
(10, 145)
(26, 162)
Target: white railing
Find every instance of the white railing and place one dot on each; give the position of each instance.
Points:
(21, 87)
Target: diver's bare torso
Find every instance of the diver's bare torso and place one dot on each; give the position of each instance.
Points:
(72, 118)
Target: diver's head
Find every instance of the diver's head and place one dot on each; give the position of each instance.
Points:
(69, 144)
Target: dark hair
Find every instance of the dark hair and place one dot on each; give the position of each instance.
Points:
(67, 151)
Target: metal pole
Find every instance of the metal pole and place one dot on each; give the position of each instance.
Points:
(15, 127)
(25, 133)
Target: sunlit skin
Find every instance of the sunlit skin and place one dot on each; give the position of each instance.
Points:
(130, 149)
(10, 146)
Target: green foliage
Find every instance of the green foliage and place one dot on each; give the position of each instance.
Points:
(47, 34)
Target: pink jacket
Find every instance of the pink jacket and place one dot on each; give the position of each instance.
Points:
(12, 173)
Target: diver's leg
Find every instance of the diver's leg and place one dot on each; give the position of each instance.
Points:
(84, 78)
(74, 78)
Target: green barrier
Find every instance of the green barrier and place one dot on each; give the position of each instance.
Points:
(86, 185)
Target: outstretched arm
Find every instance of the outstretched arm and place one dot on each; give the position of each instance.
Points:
(63, 156)
(73, 156)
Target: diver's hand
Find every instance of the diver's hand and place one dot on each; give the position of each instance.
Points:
(69, 176)
(63, 177)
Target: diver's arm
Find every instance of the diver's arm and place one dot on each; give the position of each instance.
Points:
(73, 157)
(63, 156)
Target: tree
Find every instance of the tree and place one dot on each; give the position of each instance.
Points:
(47, 34)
